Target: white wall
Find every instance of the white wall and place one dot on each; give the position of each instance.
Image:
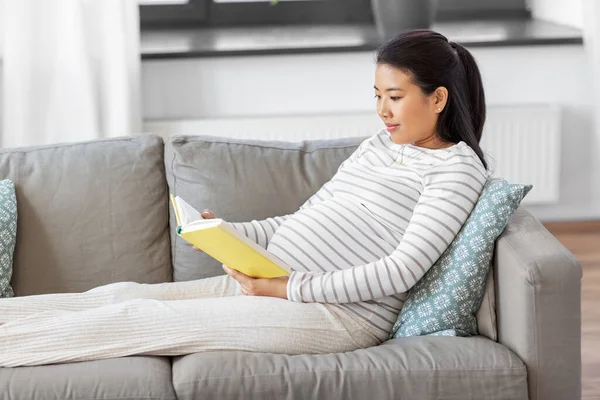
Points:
(342, 83)
(2, 13)
(1, 49)
(591, 12)
(583, 14)
(233, 87)
(565, 12)
(1, 101)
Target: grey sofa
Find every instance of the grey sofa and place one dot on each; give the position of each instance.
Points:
(97, 212)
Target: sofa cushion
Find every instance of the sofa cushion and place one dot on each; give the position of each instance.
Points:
(241, 180)
(406, 368)
(90, 213)
(8, 235)
(145, 378)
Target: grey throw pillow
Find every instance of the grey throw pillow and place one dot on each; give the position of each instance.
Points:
(445, 301)
(8, 234)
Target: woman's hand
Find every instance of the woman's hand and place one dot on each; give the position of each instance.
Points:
(206, 214)
(272, 287)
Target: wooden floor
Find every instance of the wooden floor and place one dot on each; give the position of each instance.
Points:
(583, 240)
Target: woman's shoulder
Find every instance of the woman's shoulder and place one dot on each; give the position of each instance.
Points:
(459, 159)
(461, 153)
(370, 142)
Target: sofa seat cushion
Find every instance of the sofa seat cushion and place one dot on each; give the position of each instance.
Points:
(405, 368)
(145, 378)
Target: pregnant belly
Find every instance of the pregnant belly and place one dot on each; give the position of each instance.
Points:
(335, 234)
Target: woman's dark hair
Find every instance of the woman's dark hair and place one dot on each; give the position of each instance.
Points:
(432, 61)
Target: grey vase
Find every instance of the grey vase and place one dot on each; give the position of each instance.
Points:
(394, 16)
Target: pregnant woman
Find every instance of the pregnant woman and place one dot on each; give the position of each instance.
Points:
(356, 246)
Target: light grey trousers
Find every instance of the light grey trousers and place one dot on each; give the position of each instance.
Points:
(169, 319)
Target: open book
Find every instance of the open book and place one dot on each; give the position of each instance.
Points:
(223, 242)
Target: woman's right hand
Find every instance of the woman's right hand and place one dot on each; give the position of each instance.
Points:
(206, 214)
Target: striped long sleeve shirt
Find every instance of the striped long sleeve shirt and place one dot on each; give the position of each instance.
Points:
(376, 227)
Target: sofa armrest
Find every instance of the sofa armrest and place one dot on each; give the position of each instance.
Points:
(538, 300)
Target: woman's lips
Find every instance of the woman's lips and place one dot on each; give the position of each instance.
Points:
(391, 127)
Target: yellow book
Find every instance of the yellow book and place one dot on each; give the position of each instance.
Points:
(224, 243)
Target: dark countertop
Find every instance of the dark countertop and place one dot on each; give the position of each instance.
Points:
(299, 39)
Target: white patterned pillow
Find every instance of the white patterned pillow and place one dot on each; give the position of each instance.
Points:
(445, 301)
(8, 234)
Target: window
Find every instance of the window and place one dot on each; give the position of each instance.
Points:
(173, 12)
(286, 12)
(469, 9)
(254, 12)
(161, 2)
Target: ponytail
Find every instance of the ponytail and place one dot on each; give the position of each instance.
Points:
(475, 88)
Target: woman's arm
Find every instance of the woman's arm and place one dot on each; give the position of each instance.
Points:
(450, 192)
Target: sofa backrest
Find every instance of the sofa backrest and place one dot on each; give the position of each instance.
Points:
(89, 214)
(241, 180)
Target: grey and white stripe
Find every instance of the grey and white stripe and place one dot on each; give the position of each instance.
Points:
(373, 230)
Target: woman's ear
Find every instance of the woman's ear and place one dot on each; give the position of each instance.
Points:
(439, 99)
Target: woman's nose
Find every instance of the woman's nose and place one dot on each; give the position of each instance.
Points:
(383, 112)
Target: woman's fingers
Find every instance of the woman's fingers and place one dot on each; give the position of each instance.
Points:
(207, 214)
(242, 278)
(193, 247)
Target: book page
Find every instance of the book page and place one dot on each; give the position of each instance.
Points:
(202, 224)
(186, 212)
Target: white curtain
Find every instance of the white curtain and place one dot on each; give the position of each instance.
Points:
(71, 70)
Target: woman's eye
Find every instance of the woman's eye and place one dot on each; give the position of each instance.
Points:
(395, 98)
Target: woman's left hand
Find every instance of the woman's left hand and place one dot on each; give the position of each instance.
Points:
(272, 287)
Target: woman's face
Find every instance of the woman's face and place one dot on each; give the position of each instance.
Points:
(410, 115)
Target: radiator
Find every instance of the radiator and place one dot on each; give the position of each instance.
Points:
(520, 143)
(523, 144)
